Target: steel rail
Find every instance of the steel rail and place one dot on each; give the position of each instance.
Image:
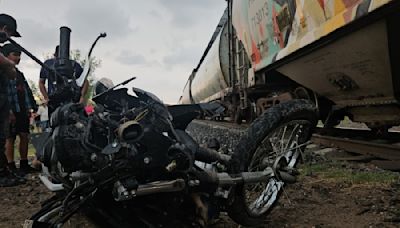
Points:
(378, 150)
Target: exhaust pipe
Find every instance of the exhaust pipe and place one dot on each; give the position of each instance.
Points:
(64, 66)
(122, 193)
(65, 37)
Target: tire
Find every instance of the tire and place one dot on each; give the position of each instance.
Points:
(238, 116)
(298, 115)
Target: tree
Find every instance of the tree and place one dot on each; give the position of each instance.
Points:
(35, 90)
(94, 64)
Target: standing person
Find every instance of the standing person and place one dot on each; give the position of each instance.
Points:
(43, 113)
(21, 102)
(50, 77)
(8, 28)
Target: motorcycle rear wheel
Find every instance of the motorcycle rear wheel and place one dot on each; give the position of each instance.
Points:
(282, 130)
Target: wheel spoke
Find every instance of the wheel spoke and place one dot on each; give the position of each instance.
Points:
(258, 155)
(286, 195)
(284, 141)
(291, 135)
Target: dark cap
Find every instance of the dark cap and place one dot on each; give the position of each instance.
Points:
(9, 48)
(11, 24)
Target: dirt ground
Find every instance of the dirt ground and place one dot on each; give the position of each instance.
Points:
(321, 203)
(326, 195)
(18, 203)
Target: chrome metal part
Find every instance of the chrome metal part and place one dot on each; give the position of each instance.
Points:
(283, 145)
(122, 193)
(245, 177)
(50, 185)
(161, 186)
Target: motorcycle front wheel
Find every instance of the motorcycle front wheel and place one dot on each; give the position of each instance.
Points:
(280, 132)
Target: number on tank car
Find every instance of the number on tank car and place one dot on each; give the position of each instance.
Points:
(260, 15)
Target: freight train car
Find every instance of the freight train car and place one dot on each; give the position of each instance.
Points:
(342, 54)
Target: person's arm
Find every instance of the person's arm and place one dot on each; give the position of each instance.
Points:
(44, 75)
(84, 91)
(43, 89)
(42, 80)
(7, 66)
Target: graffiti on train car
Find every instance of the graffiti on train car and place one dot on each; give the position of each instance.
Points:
(271, 30)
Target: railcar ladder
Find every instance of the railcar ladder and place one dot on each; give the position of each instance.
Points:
(242, 68)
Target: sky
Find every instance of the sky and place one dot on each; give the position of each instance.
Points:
(158, 41)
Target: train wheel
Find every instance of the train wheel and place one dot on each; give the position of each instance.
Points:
(282, 130)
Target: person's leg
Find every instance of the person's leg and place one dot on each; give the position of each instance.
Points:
(23, 150)
(3, 128)
(6, 179)
(39, 127)
(10, 141)
(43, 126)
(10, 153)
(46, 124)
(23, 132)
(23, 145)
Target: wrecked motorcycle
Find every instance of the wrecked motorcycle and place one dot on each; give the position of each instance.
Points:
(131, 163)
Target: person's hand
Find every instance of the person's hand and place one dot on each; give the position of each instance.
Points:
(46, 100)
(12, 118)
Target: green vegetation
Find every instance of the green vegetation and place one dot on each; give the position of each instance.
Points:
(337, 171)
(31, 149)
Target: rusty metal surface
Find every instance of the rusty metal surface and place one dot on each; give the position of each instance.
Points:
(378, 150)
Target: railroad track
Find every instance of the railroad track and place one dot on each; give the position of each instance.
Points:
(355, 144)
(362, 145)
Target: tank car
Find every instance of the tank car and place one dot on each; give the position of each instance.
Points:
(341, 54)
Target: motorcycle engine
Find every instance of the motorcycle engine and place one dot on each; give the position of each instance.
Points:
(71, 139)
(89, 143)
